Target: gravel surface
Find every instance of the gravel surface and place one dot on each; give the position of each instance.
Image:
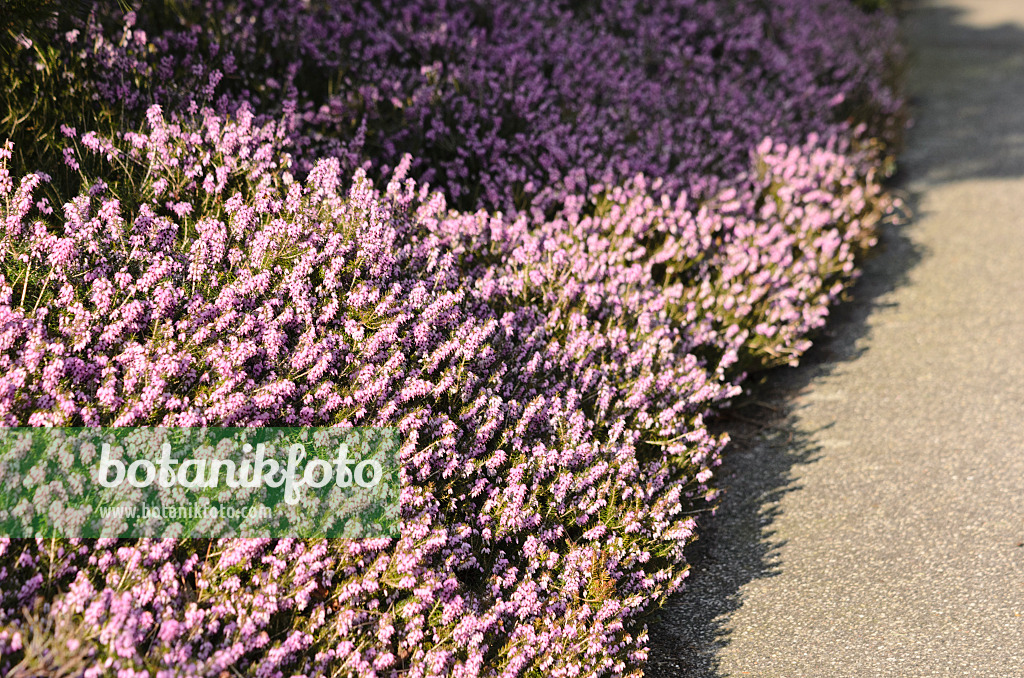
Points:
(874, 518)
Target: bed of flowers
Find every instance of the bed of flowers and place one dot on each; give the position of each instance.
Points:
(546, 240)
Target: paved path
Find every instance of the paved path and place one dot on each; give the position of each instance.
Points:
(883, 534)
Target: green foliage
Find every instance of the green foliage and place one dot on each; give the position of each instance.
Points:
(874, 5)
(30, 19)
(47, 84)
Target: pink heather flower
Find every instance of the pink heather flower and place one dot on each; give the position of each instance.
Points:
(588, 271)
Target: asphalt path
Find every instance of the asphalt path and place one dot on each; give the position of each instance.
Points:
(873, 523)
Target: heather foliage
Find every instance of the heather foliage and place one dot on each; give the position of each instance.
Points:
(544, 240)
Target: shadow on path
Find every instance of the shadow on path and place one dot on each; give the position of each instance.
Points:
(739, 545)
(964, 67)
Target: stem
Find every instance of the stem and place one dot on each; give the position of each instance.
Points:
(24, 287)
(41, 291)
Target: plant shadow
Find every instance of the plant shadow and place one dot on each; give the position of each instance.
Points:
(738, 544)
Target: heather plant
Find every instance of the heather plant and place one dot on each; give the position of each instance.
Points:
(306, 304)
(546, 277)
(513, 105)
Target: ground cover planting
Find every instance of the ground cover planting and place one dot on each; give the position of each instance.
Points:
(545, 241)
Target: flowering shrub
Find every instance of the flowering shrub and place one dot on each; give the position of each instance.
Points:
(508, 105)
(650, 200)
